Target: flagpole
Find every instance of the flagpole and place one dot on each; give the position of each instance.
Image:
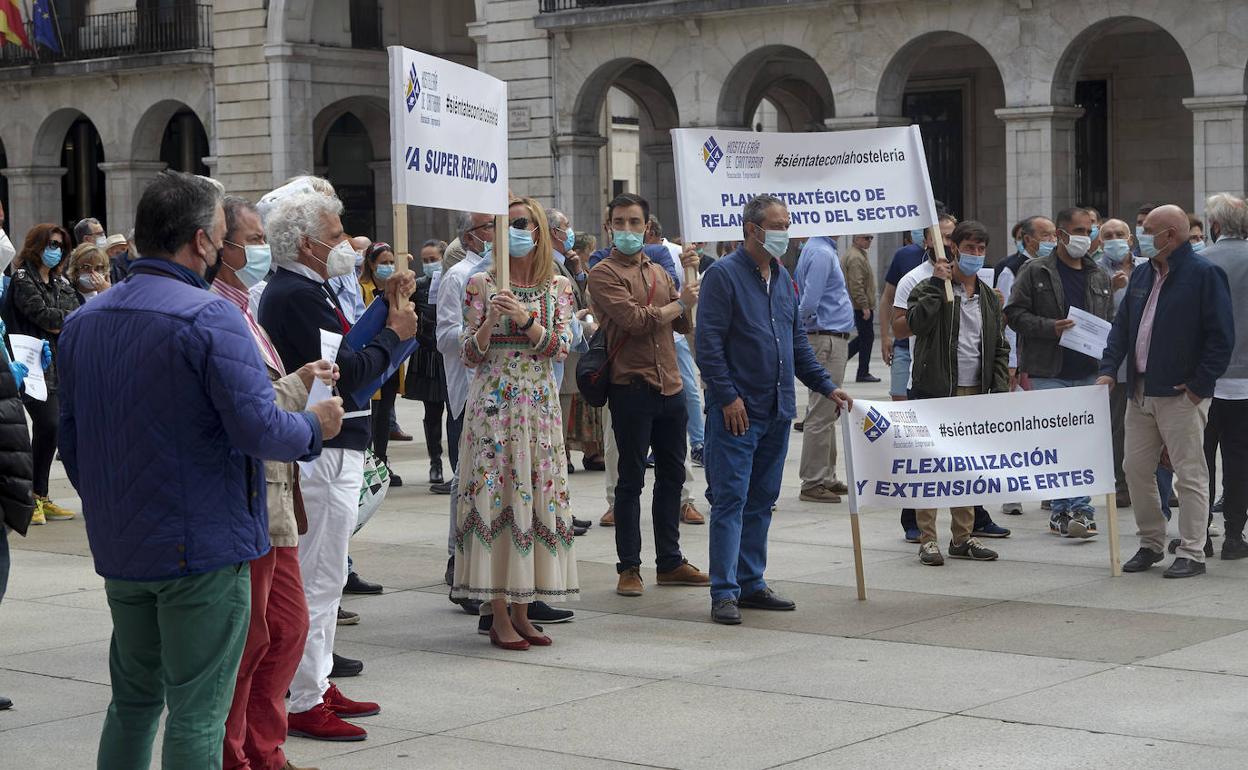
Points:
(56, 22)
(34, 44)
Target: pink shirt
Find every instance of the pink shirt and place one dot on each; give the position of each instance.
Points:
(240, 299)
(1144, 337)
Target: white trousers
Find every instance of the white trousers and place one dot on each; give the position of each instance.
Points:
(331, 497)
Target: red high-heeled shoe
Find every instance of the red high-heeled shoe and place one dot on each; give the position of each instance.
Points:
(538, 641)
(523, 644)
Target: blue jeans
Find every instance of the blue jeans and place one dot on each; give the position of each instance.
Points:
(743, 475)
(1067, 505)
(1165, 485)
(693, 392)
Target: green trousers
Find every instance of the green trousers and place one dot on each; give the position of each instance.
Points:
(175, 642)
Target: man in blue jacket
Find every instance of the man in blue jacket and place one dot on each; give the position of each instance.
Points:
(178, 509)
(1175, 330)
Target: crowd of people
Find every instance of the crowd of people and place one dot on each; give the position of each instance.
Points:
(222, 524)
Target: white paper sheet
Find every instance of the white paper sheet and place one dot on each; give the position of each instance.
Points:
(29, 351)
(330, 341)
(1088, 336)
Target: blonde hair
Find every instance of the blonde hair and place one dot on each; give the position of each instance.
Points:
(543, 256)
(82, 253)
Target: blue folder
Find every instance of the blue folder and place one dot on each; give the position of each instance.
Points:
(367, 327)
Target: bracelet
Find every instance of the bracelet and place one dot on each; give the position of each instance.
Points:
(529, 324)
(683, 308)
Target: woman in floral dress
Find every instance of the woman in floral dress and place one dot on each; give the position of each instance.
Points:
(513, 533)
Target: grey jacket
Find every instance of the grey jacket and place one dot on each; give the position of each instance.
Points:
(1231, 254)
(1037, 303)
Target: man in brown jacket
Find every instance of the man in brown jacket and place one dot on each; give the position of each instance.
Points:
(637, 303)
(860, 282)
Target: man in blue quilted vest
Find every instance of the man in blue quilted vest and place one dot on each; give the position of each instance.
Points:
(167, 414)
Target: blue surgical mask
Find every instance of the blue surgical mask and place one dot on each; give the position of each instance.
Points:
(626, 242)
(430, 268)
(259, 260)
(916, 237)
(487, 250)
(1045, 248)
(776, 242)
(1117, 250)
(1096, 230)
(1139, 230)
(51, 257)
(1022, 250)
(383, 272)
(520, 242)
(569, 240)
(1198, 246)
(1148, 249)
(970, 265)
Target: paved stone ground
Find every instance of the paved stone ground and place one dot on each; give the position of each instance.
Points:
(1039, 660)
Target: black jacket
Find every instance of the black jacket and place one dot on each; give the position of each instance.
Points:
(1037, 302)
(937, 323)
(39, 310)
(426, 374)
(16, 462)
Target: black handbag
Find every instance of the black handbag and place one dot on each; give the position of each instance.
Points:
(593, 371)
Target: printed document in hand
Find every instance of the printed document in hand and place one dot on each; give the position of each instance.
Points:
(29, 351)
(319, 392)
(1088, 336)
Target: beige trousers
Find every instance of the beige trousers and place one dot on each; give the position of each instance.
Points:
(818, 466)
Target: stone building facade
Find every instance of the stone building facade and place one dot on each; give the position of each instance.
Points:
(1026, 105)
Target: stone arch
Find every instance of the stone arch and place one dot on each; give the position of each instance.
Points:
(640, 80)
(896, 73)
(372, 111)
(789, 78)
(50, 136)
(145, 141)
(1078, 50)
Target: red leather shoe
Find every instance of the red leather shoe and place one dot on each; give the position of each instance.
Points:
(538, 641)
(343, 706)
(523, 644)
(319, 723)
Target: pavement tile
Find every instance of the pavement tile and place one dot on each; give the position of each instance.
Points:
(460, 754)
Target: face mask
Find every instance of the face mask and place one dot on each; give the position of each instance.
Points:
(1078, 246)
(1139, 230)
(51, 257)
(86, 282)
(1096, 230)
(341, 259)
(626, 242)
(569, 240)
(431, 268)
(359, 258)
(916, 237)
(383, 272)
(101, 243)
(1117, 249)
(520, 242)
(969, 265)
(487, 250)
(1022, 250)
(1147, 248)
(776, 242)
(259, 260)
(1045, 248)
(1198, 246)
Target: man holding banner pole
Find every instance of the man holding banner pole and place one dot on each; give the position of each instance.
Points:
(959, 350)
(750, 334)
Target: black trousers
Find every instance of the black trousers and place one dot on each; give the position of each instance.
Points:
(1228, 430)
(383, 408)
(454, 429)
(644, 420)
(44, 418)
(863, 344)
(433, 429)
(1117, 423)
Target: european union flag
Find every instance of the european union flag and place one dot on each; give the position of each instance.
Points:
(45, 26)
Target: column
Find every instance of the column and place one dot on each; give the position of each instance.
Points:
(1220, 146)
(581, 193)
(290, 92)
(658, 185)
(382, 204)
(34, 197)
(1039, 159)
(124, 182)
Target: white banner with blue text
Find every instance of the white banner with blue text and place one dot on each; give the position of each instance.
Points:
(448, 134)
(833, 183)
(979, 450)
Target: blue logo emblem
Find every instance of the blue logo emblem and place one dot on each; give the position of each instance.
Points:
(875, 425)
(711, 154)
(412, 91)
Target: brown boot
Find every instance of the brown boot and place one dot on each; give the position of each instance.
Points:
(608, 518)
(690, 515)
(819, 494)
(630, 583)
(684, 575)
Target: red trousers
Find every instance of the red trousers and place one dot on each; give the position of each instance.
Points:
(256, 727)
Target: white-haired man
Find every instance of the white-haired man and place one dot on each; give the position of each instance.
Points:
(309, 247)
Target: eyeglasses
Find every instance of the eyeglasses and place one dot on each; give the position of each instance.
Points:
(520, 223)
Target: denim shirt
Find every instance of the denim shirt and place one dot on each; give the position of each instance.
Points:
(750, 342)
(825, 304)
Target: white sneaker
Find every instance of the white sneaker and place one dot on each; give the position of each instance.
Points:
(1215, 530)
(1012, 509)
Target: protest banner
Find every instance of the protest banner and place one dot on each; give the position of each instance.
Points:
(980, 450)
(448, 141)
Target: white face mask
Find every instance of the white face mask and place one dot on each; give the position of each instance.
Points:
(1078, 246)
(101, 242)
(341, 259)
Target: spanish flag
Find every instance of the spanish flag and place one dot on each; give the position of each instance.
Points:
(11, 28)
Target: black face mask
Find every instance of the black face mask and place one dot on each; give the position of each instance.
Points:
(210, 271)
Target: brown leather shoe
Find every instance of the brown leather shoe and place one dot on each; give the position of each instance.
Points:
(820, 494)
(608, 518)
(684, 575)
(630, 583)
(839, 488)
(690, 515)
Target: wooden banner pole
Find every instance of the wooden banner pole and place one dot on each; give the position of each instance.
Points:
(938, 248)
(502, 254)
(860, 579)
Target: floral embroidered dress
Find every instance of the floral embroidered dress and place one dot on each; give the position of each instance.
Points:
(513, 529)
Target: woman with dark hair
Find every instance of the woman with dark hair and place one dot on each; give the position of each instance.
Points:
(16, 504)
(37, 303)
(379, 264)
(426, 377)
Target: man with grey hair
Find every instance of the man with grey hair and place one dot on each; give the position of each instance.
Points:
(89, 230)
(751, 344)
(1227, 217)
(310, 247)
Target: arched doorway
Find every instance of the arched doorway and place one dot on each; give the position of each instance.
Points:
(184, 144)
(82, 186)
(346, 155)
(1133, 143)
(950, 86)
(623, 118)
(776, 88)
